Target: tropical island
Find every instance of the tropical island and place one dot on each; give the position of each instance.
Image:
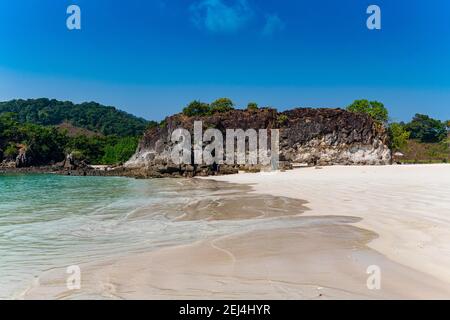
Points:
(44, 134)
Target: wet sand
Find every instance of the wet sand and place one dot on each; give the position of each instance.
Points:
(290, 253)
(407, 206)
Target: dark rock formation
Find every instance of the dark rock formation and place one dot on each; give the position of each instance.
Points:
(312, 136)
(73, 163)
(23, 159)
(333, 136)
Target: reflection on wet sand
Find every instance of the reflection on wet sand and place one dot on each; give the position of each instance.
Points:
(242, 206)
(264, 249)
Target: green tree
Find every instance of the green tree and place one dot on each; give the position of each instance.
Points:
(398, 135)
(91, 149)
(196, 108)
(222, 105)
(427, 129)
(44, 144)
(252, 106)
(375, 109)
(121, 151)
(11, 151)
(282, 119)
(151, 124)
(8, 126)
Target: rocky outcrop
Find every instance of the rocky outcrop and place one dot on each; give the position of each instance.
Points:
(333, 136)
(72, 162)
(311, 136)
(23, 159)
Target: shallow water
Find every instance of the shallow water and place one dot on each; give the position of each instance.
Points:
(52, 221)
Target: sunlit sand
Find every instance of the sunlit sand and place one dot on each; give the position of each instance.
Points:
(316, 232)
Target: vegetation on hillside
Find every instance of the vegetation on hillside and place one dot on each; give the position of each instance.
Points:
(419, 152)
(120, 151)
(102, 150)
(428, 140)
(40, 143)
(47, 130)
(426, 129)
(399, 136)
(46, 144)
(88, 115)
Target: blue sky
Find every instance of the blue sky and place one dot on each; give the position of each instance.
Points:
(151, 57)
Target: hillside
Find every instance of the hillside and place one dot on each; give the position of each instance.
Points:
(42, 131)
(418, 152)
(72, 131)
(89, 115)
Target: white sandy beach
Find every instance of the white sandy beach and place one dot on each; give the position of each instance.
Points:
(407, 206)
(394, 217)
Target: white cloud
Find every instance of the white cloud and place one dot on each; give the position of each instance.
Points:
(221, 16)
(273, 24)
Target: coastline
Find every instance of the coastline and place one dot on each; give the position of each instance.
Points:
(407, 206)
(311, 253)
(121, 171)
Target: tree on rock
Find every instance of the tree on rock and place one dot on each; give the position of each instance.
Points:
(375, 109)
(196, 108)
(252, 106)
(222, 105)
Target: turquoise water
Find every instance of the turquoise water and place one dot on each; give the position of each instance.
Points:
(49, 221)
(52, 222)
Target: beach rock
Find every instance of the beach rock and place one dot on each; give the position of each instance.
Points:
(318, 137)
(227, 169)
(73, 162)
(23, 159)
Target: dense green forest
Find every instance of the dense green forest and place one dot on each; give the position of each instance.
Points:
(88, 115)
(109, 136)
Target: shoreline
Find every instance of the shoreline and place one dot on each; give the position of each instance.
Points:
(285, 255)
(144, 173)
(407, 206)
